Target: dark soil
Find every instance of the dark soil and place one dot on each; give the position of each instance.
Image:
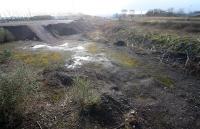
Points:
(109, 112)
(120, 43)
(22, 33)
(63, 29)
(57, 78)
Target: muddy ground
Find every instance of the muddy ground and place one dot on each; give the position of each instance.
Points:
(137, 90)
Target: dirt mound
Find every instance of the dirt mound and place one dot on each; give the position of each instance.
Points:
(63, 29)
(109, 112)
(22, 33)
(46, 32)
(57, 78)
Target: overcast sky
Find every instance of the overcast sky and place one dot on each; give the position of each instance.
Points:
(92, 7)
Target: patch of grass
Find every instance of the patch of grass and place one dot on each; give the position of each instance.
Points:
(5, 55)
(159, 40)
(188, 26)
(174, 43)
(166, 81)
(16, 87)
(83, 93)
(124, 59)
(39, 59)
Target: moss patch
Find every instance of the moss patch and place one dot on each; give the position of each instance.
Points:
(39, 59)
(124, 59)
(166, 81)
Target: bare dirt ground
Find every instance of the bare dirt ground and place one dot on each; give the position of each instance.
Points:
(136, 89)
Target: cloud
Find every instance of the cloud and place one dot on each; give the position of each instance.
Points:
(94, 7)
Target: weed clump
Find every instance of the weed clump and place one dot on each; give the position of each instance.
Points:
(83, 94)
(15, 88)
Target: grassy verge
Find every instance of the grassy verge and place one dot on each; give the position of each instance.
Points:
(187, 26)
(16, 87)
(173, 46)
(161, 41)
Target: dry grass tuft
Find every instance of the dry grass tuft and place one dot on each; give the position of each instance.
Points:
(83, 92)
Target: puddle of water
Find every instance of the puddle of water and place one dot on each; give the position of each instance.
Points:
(39, 46)
(79, 55)
(78, 60)
(64, 47)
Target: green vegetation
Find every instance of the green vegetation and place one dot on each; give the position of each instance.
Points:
(39, 59)
(187, 26)
(83, 94)
(5, 55)
(176, 43)
(166, 81)
(124, 59)
(6, 36)
(161, 41)
(16, 87)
